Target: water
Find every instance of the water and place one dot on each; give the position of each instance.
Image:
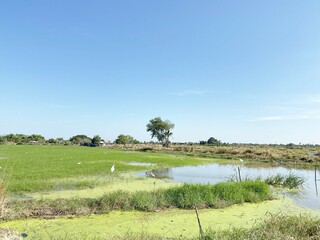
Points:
(215, 173)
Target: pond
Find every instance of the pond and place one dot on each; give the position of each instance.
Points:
(214, 173)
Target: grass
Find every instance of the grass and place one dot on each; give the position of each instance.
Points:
(275, 227)
(42, 168)
(186, 196)
(291, 181)
(39, 168)
(287, 181)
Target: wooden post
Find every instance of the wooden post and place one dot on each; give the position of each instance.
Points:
(239, 174)
(200, 228)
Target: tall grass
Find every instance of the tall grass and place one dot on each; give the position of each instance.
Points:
(187, 196)
(287, 181)
(290, 181)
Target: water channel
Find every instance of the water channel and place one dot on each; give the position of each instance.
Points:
(215, 173)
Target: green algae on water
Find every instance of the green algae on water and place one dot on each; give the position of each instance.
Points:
(171, 223)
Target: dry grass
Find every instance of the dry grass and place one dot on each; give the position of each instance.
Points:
(9, 234)
(266, 153)
(3, 198)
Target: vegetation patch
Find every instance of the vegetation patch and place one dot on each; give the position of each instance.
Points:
(277, 226)
(291, 181)
(186, 196)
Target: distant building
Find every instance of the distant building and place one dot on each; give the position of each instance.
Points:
(102, 143)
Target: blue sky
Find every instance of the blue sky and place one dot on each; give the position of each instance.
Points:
(240, 71)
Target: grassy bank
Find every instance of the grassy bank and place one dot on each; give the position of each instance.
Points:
(184, 197)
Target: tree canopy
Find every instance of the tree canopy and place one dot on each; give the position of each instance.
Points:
(22, 138)
(213, 141)
(96, 140)
(80, 140)
(125, 139)
(161, 130)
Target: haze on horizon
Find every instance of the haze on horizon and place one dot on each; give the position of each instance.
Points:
(240, 71)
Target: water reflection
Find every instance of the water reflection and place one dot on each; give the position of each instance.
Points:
(214, 173)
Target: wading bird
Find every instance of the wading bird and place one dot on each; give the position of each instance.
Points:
(150, 173)
(113, 168)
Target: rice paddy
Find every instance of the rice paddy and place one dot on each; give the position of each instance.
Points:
(41, 168)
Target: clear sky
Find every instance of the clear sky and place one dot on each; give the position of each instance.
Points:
(240, 71)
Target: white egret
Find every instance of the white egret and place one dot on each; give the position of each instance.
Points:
(113, 168)
(79, 163)
(241, 160)
(150, 173)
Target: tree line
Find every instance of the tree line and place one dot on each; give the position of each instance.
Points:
(158, 128)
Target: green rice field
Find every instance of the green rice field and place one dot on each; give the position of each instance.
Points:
(37, 168)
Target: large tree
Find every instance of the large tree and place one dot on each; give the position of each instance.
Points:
(80, 140)
(125, 139)
(161, 130)
(213, 141)
(96, 140)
